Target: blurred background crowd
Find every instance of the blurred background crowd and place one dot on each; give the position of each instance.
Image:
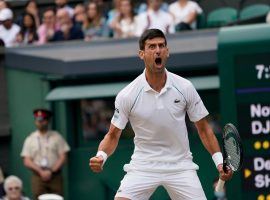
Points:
(97, 19)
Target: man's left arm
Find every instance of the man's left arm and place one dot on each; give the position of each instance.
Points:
(210, 142)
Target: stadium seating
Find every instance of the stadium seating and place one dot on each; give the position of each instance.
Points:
(221, 17)
(254, 11)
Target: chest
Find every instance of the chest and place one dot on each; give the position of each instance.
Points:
(43, 144)
(150, 105)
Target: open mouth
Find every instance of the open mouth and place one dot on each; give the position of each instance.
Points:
(158, 61)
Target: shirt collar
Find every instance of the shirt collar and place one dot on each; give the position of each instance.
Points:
(147, 87)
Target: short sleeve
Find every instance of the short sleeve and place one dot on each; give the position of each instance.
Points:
(195, 107)
(26, 148)
(121, 112)
(196, 8)
(63, 146)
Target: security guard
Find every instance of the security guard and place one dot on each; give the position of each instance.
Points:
(45, 152)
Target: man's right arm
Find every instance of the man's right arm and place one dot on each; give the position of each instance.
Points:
(108, 146)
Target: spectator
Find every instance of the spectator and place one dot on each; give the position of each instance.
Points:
(45, 152)
(13, 187)
(185, 14)
(28, 33)
(113, 13)
(143, 7)
(32, 8)
(124, 25)
(268, 18)
(64, 4)
(48, 27)
(67, 30)
(4, 4)
(95, 24)
(2, 192)
(154, 17)
(79, 15)
(8, 30)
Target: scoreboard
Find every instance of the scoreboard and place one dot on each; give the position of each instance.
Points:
(244, 67)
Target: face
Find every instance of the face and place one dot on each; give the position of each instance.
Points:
(42, 125)
(63, 17)
(13, 191)
(28, 22)
(155, 54)
(60, 3)
(125, 7)
(155, 4)
(49, 17)
(3, 5)
(32, 6)
(91, 10)
(79, 13)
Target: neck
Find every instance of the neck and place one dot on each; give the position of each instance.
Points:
(182, 2)
(156, 80)
(43, 131)
(10, 198)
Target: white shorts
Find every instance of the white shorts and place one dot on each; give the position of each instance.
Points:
(185, 185)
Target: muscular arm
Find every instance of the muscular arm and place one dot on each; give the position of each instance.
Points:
(207, 136)
(60, 162)
(108, 145)
(210, 142)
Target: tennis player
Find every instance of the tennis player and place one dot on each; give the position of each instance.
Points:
(156, 103)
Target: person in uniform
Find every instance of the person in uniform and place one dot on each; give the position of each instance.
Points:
(44, 153)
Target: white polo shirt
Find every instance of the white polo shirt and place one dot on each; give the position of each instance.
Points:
(158, 120)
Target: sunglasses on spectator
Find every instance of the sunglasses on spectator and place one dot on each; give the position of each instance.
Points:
(14, 188)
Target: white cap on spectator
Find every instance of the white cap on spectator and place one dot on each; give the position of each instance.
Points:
(6, 14)
(50, 197)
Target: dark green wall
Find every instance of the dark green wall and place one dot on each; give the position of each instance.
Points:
(26, 91)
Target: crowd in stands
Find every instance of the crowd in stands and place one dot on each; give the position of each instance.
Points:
(90, 21)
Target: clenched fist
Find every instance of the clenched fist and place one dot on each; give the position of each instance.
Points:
(96, 164)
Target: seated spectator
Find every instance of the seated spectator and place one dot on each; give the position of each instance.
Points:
(124, 25)
(268, 18)
(13, 187)
(4, 4)
(94, 24)
(67, 30)
(64, 4)
(154, 17)
(8, 30)
(113, 13)
(2, 192)
(185, 14)
(79, 14)
(48, 27)
(32, 8)
(143, 7)
(28, 33)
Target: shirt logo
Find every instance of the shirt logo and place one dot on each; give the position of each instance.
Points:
(176, 100)
(116, 113)
(197, 102)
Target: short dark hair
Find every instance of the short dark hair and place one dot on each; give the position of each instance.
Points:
(150, 34)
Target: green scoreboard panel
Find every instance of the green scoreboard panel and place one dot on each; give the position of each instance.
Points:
(244, 67)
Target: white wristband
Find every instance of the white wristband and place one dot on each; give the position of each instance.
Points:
(217, 158)
(104, 156)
